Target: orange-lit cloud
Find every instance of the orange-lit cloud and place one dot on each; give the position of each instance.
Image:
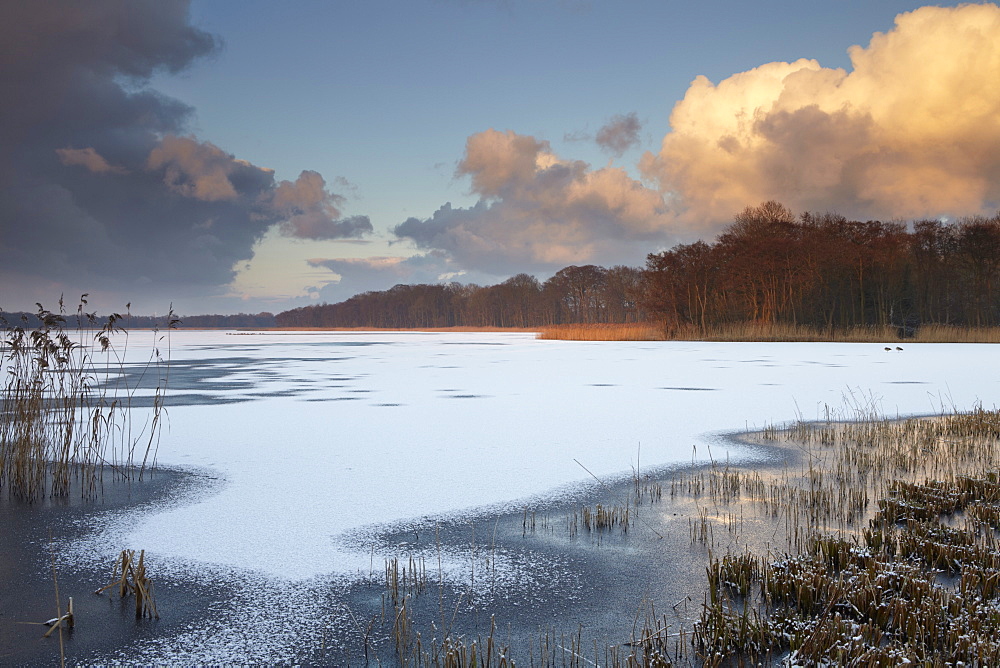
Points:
(539, 212)
(913, 130)
(303, 208)
(87, 158)
(194, 169)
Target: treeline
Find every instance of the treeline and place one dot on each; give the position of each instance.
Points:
(828, 272)
(769, 267)
(129, 321)
(587, 294)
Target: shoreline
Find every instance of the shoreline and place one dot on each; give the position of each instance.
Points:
(526, 578)
(516, 579)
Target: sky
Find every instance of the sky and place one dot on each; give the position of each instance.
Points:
(225, 156)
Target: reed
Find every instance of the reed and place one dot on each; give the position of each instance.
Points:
(67, 404)
(603, 332)
(60, 620)
(605, 518)
(862, 583)
(954, 334)
(131, 580)
(768, 332)
(408, 579)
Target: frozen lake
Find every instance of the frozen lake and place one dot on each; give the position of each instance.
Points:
(320, 441)
(320, 434)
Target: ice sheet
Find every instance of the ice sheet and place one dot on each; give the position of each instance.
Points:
(319, 435)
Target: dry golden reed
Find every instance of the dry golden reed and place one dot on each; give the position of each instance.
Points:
(769, 332)
(912, 578)
(130, 579)
(67, 402)
(603, 332)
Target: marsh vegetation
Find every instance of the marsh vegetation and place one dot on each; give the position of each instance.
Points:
(748, 331)
(876, 544)
(68, 412)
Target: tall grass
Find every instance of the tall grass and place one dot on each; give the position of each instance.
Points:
(954, 334)
(633, 331)
(68, 406)
(750, 331)
(892, 534)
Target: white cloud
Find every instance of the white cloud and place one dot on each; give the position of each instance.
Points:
(912, 130)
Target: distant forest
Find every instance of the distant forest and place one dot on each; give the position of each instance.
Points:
(587, 294)
(768, 267)
(252, 320)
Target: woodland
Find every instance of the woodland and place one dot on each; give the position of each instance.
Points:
(769, 267)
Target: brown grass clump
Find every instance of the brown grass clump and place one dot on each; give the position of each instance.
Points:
(130, 579)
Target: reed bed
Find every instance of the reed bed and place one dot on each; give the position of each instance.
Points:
(892, 547)
(67, 404)
(954, 334)
(653, 644)
(778, 332)
(603, 332)
(768, 332)
(880, 601)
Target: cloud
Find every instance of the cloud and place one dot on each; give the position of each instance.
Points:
(500, 162)
(303, 208)
(88, 158)
(577, 135)
(537, 212)
(619, 134)
(101, 186)
(309, 210)
(913, 130)
(195, 169)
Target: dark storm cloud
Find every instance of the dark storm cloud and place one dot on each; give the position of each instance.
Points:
(619, 134)
(100, 186)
